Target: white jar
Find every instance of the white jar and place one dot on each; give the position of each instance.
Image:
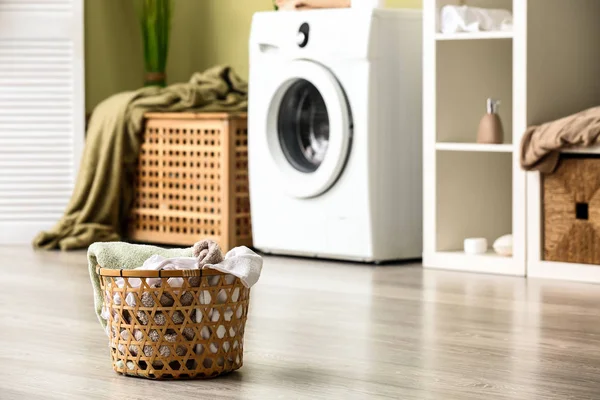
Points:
(475, 246)
(368, 4)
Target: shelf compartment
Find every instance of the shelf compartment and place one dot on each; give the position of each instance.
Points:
(468, 73)
(474, 192)
(474, 35)
(475, 147)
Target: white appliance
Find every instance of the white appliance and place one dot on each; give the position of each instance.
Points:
(335, 133)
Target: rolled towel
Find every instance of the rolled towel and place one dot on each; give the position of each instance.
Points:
(166, 300)
(473, 19)
(207, 252)
(189, 333)
(153, 334)
(178, 317)
(159, 318)
(186, 299)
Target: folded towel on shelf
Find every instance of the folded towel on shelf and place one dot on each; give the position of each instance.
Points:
(100, 203)
(240, 262)
(541, 144)
(474, 19)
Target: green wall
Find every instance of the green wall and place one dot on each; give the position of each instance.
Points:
(204, 33)
(114, 60)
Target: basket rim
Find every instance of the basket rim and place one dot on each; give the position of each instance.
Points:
(141, 273)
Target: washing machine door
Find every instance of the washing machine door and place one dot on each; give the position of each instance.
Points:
(309, 129)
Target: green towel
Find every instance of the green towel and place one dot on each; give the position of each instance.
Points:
(118, 255)
(99, 206)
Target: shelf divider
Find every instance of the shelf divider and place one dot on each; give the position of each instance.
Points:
(474, 35)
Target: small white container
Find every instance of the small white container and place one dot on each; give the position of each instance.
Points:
(368, 4)
(475, 246)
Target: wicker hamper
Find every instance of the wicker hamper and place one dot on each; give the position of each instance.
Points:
(192, 180)
(176, 323)
(571, 207)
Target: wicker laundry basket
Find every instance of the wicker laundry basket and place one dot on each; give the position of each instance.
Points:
(174, 324)
(571, 207)
(192, 180)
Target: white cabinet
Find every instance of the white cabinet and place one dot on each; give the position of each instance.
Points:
(548, 66)
(41, 112)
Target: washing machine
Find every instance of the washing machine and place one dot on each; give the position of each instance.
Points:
(335, 135)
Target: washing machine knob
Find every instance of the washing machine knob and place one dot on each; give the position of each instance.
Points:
(300, 39)
(302, 36)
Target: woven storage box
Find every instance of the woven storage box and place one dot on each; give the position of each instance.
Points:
(159, 330)
(571, 206)
(192, 180)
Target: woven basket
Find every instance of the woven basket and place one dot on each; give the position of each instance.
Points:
(192, 180)
(195, 330)
(571, 206)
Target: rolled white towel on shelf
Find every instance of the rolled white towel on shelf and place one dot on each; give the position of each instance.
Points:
(454, 19)
(504, 245)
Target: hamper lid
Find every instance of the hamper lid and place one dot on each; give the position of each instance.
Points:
(196, 115)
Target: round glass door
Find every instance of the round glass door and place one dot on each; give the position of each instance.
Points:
(309, 129)
(303, 126)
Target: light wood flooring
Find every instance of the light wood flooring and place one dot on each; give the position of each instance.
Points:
(320, 330)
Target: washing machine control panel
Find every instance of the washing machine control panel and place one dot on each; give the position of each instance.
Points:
(302, 36)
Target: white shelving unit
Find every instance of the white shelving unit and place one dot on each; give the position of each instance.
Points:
(564, 52)
(471, 189)
(546, 68)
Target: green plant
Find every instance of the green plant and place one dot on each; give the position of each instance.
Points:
(155, 20)
(275, 5)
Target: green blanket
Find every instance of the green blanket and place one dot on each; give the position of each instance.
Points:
(99, 207)
(118, 255)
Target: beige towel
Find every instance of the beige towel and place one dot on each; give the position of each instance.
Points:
(540, 145)
(207, 252)
(99, 206)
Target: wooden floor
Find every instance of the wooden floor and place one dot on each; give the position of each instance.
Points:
(320, 330)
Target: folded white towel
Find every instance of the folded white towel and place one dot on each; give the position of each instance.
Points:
(473, 19)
